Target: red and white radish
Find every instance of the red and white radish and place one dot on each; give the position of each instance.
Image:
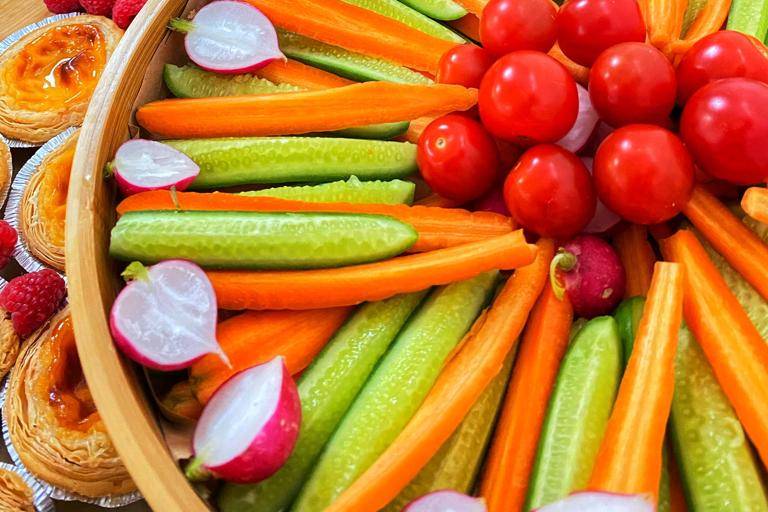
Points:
(249, 427)
(586, 122)
(142, 165)
(604, 219)
(446, 501)
(588, 269)
(165, 318)
(589, 501)
(229, 37)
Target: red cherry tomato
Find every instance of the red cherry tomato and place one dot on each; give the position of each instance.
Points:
(528, 97)
(632, 83)
(550, 192)
(457, 158)
(510, 25)
(464, 65)
(724, 54)
(643, 173)
(725, 126)
(585, 28)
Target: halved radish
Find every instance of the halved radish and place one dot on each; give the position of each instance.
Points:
(589, 501)
(249, 427)
(585, 124)
(165, 318)
(604, 219)
(229, 37)
(446, 501)
(142, 165)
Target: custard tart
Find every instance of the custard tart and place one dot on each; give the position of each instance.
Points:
(43, 206)
(48, 76)
(9, 343)
(52, 421)
(6, 170)
(15, 494)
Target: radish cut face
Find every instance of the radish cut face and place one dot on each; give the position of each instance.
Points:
(166, 318)
(586, 122)
(231, 37)
(249, 427)
(446, 501)
(604, 219)
(142, 165)
(600, 502)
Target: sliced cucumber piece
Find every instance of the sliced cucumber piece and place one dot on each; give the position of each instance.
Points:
(252, 160)
(395, 390)
(749, 17)
(326, 388)
(354, 66)
(382, 131)
(628, 316)
(223, 239)
(404, 14)
(192, 82)
(351, 191)
(691, 13)
(578, 412)
(445, 10)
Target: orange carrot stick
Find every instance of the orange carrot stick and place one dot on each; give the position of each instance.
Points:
(301, 112)
(355, 28)
(456, 390)
(709, 21)
(577, 71)
(637, 257)
(255, 337)
(416, 127)
(732, 344)
(436, 201)
(629, 460)
(742, 248)
(755, 203)
(299, 74)
(438, 227)
(468, 25)
(345, 286)
(509, 463)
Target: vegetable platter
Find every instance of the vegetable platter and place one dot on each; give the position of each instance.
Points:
(369, 263)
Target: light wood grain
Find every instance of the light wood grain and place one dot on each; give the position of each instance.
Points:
(15, 14)
(92, 277)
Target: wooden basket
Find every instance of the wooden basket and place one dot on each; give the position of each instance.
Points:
(93, 278)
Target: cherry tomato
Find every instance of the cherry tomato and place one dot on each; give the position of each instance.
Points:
(643, 173)
(550, 192)
(585, 28)
(464, 65)
(632, 83)
(725, 126)
(724, 54)
(457, 158)
(510, 25)
(528, 97)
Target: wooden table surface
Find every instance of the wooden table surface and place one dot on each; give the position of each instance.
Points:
(15, 14)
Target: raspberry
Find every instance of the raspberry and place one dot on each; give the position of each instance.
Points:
(125, 10)
(31, 299)
(98, 7)
(63, 6)
(8, 237)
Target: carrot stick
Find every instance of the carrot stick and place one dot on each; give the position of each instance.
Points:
(732, 344)
(637, 257)
(355, 28)
(578, 72)
(299, 74)
(255, 337)
(658, 14)
(416, 127)
(438, 227)
(629, 460)
(709, 21)
(456, 390)
(301, 112)
(437, 201)
(509, 463)
(345, 286)
(468, 25)
(742, 248)
(755, 203)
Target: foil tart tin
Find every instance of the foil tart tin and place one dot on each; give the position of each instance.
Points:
(41, 499)
(56, 492)
(4, 189)
(21, 252)
(8, 42)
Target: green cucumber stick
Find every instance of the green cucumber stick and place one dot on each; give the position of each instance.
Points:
(326, 389)
(396, 389)
(350, 191)
(404, 14)
(749, 17)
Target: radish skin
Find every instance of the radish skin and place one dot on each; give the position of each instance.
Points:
(600, 502)
(446, 501)
(585, 125)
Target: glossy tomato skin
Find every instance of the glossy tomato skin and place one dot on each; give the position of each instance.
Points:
(457, 158)
(464, 65)
(585, 28)
(725, 126)
(511, 25)
(528, 97)
(643, 173)
(550, 192)
(632, 83)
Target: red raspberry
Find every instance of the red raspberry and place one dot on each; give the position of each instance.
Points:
(98, 7)
(125, 10)
(8, 238)
(63, 6)
(31, 299)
